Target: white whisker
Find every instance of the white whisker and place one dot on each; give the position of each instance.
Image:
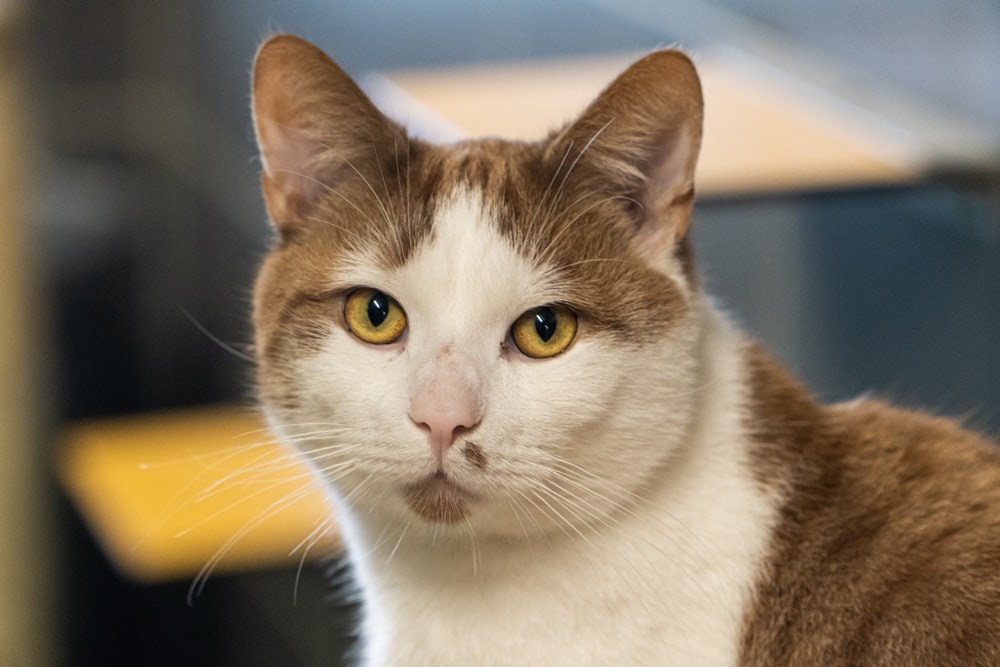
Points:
(395, 548)
(201, 579)
(585, 148)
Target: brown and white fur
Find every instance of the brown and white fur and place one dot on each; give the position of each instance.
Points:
(661, 492)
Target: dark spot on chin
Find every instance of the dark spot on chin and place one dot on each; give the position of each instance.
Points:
(475, 455)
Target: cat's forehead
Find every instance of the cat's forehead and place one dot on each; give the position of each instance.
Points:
(444, 200)
(465, 260)
(511, 188)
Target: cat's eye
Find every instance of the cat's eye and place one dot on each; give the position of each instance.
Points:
(545, 331)
(374, 316)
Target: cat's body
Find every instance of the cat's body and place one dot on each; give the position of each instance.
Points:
(545, 445)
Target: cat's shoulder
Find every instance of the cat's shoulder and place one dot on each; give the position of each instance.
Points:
(889, 522)
(916, 446)
(865, 437)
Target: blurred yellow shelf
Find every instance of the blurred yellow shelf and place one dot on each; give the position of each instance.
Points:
(174, 494)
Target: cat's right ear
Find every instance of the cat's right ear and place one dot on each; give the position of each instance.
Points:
(314, 127)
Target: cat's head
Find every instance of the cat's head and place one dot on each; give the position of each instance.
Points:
(493, 335)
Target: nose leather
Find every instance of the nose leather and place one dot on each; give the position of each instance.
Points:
(444, 414)
(444, 404)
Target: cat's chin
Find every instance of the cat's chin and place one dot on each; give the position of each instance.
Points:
(438, 499)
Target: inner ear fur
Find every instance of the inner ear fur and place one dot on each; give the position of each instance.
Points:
(314, 127)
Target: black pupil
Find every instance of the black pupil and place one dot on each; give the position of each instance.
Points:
(378, 309)
(545, 323)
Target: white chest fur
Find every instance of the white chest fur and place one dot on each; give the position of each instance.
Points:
(664, 583)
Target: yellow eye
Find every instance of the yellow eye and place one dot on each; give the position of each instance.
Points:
(374, 317)
(544, 332)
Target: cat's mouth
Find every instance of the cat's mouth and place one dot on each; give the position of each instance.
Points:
(438, 499)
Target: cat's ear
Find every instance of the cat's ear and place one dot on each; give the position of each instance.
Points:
(639, 140)
(314, 127)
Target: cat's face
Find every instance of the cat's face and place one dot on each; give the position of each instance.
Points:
(470, 335)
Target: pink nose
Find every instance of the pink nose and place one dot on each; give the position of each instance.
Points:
(444, 412)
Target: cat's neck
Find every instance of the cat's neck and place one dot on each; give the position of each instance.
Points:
(690, 543)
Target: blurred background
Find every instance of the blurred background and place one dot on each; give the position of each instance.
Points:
(129, 209)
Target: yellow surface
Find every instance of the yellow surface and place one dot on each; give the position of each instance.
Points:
(176, 494)
(761, 133)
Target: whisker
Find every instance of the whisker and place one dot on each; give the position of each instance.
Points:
(264, 490)
(564, 523)
(568, 225)
(545, 198)
(586, 147)
(323, 528)
(201, 579)
(395, 548)
(205, 457)
(476, 564)
(388, 199)
(215, 339)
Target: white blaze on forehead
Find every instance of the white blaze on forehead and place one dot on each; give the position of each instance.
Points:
(466, 280)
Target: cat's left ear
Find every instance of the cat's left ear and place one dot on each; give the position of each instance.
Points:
(639, 140)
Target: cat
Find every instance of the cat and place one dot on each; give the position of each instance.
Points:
(543, 442)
